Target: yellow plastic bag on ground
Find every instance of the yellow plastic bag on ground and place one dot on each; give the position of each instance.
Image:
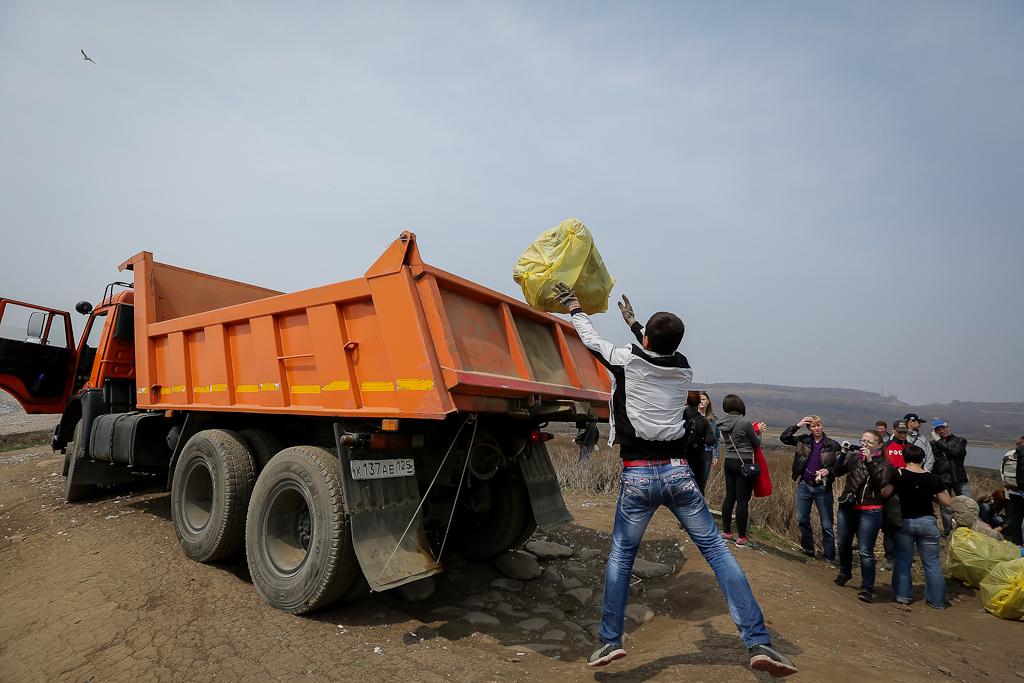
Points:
(970, 555)
(1002, 590)
(565, 253)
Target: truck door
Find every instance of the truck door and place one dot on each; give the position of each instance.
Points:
(36, 355)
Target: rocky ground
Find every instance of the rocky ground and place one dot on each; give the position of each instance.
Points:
(99, 591)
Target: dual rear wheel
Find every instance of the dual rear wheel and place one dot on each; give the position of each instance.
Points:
(290, 519)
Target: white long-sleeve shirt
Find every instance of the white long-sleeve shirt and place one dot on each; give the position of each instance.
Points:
(648, 391)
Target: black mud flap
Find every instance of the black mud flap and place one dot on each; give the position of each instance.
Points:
(88, 471)
(549, 509)
(391, 550)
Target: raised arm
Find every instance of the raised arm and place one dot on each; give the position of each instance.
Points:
(627, 315)
(604, 349)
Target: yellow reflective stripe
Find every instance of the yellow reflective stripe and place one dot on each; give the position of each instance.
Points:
(415, 384)
(247, 388)
(180, 389)
(218, 387)
(201, 390)
(141, 390)
(337, 385)
(377, 386)
(270, 386)
(306, 389)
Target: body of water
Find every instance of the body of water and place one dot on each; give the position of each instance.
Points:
(986, 457)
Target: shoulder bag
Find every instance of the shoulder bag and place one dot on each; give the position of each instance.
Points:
(747, 469)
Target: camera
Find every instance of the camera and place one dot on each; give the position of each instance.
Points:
(847, 446)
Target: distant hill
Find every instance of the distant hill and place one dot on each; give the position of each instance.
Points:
(850, 410)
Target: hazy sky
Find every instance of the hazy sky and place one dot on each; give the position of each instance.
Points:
(828, 194)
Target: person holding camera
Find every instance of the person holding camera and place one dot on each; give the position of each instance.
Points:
(860, 508)
(815, 456)
(740, 437)
(917, 489)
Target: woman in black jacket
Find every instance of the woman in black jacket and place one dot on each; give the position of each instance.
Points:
(860, 509)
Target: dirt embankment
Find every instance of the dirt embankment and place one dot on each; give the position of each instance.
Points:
(99, 591)
(18, 429)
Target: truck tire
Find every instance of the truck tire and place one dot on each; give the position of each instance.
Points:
(210, 493)
(75, 492)
(483, 535)
(297, 536)
(262, 444)
(528, 529)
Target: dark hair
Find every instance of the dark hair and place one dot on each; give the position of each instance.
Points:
(912, 453)
(664, 331)
(1020, 442)
(881, 423)
(693, 398)
(734, 404)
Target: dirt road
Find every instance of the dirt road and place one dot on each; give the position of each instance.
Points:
(100, 592)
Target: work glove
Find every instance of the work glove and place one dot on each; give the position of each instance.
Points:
(627, 311)
(565, 296)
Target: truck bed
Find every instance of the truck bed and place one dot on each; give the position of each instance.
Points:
(404, 340)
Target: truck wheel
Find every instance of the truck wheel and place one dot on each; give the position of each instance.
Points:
(210, 493)
(524, 535)
(75, 492)
(262, 444)
(484, 535)
(297, 536)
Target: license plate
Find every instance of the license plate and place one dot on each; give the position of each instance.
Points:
(382, 469)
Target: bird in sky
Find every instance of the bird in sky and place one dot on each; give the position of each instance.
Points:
(87, 57)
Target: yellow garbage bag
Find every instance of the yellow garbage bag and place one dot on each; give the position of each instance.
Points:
(1002, 590)
(970, 555)
(565, 253)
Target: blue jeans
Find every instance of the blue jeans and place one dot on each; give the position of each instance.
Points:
(820, 496)
(960, 488)
(643, 490)
(709, 456)
(865, 524)
(924, 532)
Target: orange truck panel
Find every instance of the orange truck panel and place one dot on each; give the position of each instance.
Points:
(405, 340)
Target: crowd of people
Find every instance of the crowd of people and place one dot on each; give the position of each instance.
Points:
(669, 439)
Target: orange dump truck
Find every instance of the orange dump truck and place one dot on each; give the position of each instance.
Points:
(343, 435)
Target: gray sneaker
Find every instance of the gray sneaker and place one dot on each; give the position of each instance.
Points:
(605, 654)
(766, 658)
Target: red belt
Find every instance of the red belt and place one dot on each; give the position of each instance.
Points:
(648, 463)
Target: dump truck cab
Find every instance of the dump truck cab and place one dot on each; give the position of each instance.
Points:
(43, 370)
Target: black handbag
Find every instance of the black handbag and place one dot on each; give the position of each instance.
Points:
(849, 498)
(747, 469)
